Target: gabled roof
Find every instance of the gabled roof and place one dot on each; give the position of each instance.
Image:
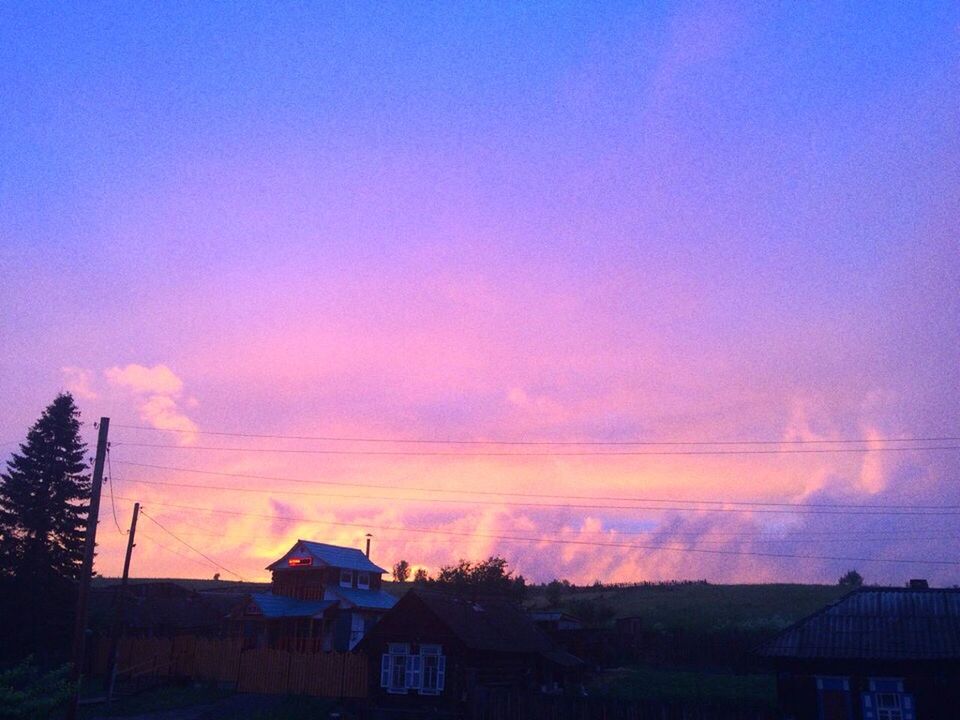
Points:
(876, 624)
(278, 606)
(329, 555)
(489, 624)
(364, 599)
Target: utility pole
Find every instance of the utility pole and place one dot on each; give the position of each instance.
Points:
(86, 570)
(120, 608)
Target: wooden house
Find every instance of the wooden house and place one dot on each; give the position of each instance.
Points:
(877, 654)
(440, 653)
(322, 597)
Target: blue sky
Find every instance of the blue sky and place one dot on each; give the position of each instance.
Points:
(563, 221)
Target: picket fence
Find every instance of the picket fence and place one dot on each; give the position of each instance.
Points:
(282, 672)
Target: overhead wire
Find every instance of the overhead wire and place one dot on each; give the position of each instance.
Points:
(113, 502)
(580, 453)
(560, 541)
(797, 510)
(458, 441)
(506, 493)
(186, 544)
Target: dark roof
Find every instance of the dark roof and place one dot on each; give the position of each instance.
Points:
(330, 555)
(365, 599)
(876, 624)
(490, 624)
(162, 608)
(279, 606)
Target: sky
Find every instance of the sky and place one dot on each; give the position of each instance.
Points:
(541, 223)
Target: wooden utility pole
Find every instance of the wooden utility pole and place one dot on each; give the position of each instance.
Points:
(120, 601)
(86, 570)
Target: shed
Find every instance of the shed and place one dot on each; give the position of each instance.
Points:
(876, 654)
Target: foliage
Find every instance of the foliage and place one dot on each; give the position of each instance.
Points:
(555, 590)
(401, 571)
(487, 577)
(44, 495)
(696, 607)
(421, 576)
(697, 688)
(44, 498)
(850, 579)
(160, 700)
(27, 693)
(592, 613)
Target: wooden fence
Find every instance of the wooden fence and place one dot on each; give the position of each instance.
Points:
(325, 674)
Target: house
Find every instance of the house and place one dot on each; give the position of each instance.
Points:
(440, 653)
(161, 609)
(876, 654)
(322, 597)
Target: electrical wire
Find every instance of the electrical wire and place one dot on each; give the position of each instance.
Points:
(501, 493)
(583, 453)
(799, 510)
(113, 502)
(560, 541)
(186, 544)
(451, 441)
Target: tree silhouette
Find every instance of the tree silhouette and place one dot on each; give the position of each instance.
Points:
(421, 576)
(44, 498)
(851, 578)
(488, 577)
(401, 571)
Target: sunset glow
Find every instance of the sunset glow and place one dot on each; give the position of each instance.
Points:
(338, 271)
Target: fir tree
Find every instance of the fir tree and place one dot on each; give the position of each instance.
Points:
(44, 499)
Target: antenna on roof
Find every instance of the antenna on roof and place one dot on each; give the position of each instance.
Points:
(368, 544)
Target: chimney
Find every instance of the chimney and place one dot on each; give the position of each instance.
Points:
(918, 584)
(368, 544)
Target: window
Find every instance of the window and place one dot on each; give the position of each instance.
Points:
(363, 580)
(393, 668)
(833, 698)
(434, 666)
(356, 629)
(887, 700)
(346, 578)
(401, 671)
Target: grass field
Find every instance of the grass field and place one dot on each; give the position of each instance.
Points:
(676, 686)
(701, 607)
(191, 583)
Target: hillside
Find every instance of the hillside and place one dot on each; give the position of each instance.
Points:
(700, 606)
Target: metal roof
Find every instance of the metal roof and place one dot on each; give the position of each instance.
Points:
(278, 606)
(876, 624)
(332, 556)
(365, 599)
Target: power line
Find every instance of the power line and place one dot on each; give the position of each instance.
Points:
(510, 538)
(186, 544)
(798, 510)
(584, 453)
(113, 502)
(175, 552)
(846, 536)
(498, 493)
(452, 441)
(676, 537)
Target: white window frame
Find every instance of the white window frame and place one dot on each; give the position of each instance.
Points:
(888, 699)
(394, 662)
(346, 577)
(363, 580)
(433, 653)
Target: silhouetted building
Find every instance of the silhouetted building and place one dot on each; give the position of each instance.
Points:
(162, 609)
(877, 654)
(444, 653)
(322, 597)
